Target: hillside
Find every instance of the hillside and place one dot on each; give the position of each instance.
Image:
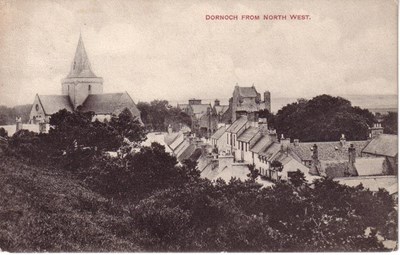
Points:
(47, 210)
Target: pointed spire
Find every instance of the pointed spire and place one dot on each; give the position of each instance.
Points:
(81, 65)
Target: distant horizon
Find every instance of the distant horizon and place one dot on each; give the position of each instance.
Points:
(278, 102)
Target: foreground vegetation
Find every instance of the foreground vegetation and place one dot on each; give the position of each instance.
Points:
(61, 192)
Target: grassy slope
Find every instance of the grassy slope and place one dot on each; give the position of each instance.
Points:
(47, 210)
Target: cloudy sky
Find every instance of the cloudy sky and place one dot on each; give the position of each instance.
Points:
(168, 50)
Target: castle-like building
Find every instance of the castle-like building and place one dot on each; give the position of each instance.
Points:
(82, 90)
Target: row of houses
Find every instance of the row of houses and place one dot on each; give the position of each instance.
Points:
(249, 140)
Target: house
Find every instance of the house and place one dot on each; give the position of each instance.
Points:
(218, 139)
(247, 99)
(222, 113)
(383, 145)
(232, 133)
(82, 90)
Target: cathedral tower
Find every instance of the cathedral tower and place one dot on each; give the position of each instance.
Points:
(81, 81)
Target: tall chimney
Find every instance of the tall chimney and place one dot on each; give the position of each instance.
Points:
(272, 135)
(352, 171)
(376, 130)
(267, 100)
(18, 121)
(285, 142)
(343, 140)
(315, 164)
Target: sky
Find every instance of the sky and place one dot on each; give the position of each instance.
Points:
(168, 50)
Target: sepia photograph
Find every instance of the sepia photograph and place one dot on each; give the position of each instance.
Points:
(198, 126)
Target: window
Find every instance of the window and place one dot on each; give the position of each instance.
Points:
(37, 107)
(227, 138)
(90, 87)
(246, 146)
(74, 64)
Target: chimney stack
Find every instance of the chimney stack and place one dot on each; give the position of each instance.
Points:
(272, 135)
(352, 154)
(18, 121)
(285, 142)
(267, 100)
(315, 164)
(376, 130)
(296, 142)
(169, 129)
(352, 171)
(343, 140)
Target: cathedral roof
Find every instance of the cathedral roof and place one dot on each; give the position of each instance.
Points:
(53, 103)
(81, 66)
(112, 103)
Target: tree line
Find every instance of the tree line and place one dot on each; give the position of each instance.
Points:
(326, 118)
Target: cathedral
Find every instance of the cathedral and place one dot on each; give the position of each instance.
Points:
(82, 90)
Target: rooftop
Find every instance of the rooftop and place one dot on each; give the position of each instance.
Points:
(327, 150)
(384, 145)
(218, 133)
(248, 134)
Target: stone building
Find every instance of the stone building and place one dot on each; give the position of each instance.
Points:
(247, 99)
(82, 90)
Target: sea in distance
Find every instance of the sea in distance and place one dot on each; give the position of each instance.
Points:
(374, 103)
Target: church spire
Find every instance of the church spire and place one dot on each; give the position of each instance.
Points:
(81, 65)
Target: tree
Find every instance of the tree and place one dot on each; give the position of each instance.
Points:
(389, 123)
(3, 132)
(76, 130)
(158, 115)
(128, 126)
(269, 116)
(323, 118)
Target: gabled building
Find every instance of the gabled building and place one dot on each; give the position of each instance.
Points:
(247, 99)
(82, 90)
(384, 145)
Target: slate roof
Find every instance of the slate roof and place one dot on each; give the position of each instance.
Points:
(249, 108)
(218, 133)
(200, 108)
(261, 144)
(247, 91)
(270, 150)
(370, 166)
(53, 103)
(112, 103)
(237, 125)
(170, 138)
(384, 145)
(221, 109)
(81, 66)
(327, 150)
(373, 183)
(187, 152)
(248, 134)
(334, 169)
